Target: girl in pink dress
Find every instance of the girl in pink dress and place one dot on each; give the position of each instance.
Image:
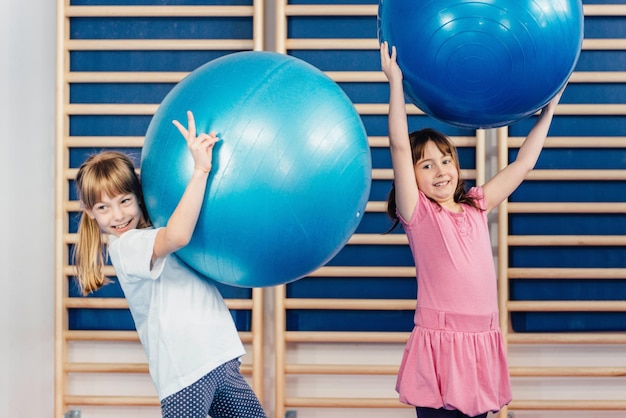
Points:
(454, 364)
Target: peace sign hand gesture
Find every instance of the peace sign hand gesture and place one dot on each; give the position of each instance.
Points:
(200, 146)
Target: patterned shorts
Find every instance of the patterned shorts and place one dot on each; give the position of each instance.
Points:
(222, 393)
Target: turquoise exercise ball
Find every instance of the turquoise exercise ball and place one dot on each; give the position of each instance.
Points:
(483, 63)
(291, 173)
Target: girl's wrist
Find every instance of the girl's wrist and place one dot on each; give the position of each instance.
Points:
(202, 170)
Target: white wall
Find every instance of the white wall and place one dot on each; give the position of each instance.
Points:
(27, 62)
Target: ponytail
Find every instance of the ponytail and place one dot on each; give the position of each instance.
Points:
(89, 256)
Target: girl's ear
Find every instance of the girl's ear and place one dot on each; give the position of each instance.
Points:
(89, 212)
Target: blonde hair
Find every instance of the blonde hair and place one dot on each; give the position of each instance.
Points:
(109, 172)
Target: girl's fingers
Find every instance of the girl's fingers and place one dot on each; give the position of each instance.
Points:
(204, 142)
(190, 134)
(181, 128)
(191, 123)
(204, 139)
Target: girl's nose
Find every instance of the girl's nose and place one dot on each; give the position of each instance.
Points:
(117, 213)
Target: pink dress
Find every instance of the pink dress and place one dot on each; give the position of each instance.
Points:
(455, 357)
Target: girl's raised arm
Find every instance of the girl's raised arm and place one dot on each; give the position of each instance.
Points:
(399, 145)
(509, 178)
(177, 233)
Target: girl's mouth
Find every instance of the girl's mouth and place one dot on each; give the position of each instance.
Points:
(122, 226)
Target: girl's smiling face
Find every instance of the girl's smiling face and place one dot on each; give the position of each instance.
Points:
(116, 215)
(437, 175)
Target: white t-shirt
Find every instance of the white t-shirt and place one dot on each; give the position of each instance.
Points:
(182, 320)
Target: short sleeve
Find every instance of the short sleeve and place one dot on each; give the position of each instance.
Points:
(418, 213)
(131, 255)
(478, 195)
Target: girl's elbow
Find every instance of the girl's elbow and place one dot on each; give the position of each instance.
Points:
(177, 242)
(183, 241)
(530, 166)
(526, 165)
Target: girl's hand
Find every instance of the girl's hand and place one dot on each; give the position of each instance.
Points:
(389, 64)
(551, 106)
(201, 146)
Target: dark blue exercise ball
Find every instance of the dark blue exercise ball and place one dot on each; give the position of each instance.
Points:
(291, 173)
(483, 63)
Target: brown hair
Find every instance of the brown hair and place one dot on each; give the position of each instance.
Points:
(109, 172)
(418, 141)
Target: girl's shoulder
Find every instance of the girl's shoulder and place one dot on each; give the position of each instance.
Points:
(477, 194)
(134, 235)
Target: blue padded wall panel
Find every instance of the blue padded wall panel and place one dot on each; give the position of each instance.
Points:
(570, 191)
(332, 1)
(366, 92)
(601, 61)
(374, 223)
(380, 190)
(580, 158)
(329, 27)
(568, 321)
(373, 255)
(354, 288)
(161, 28)
(183, 61)
(567, 224)
(110, 93)
(578, 289)
(567, 257)
(340, 60)
(122, 320)
(109, 125)
(100, 320)
(381, 157)
(587, 93)
(600, 27)
(366, 321)
(160, 2)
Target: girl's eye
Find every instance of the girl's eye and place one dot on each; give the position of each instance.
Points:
(426, 166)
(100, 208)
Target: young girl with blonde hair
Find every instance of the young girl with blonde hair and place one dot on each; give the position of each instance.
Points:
(187, 331)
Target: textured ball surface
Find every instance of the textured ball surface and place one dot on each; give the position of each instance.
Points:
(483, 63)
(291, 173)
